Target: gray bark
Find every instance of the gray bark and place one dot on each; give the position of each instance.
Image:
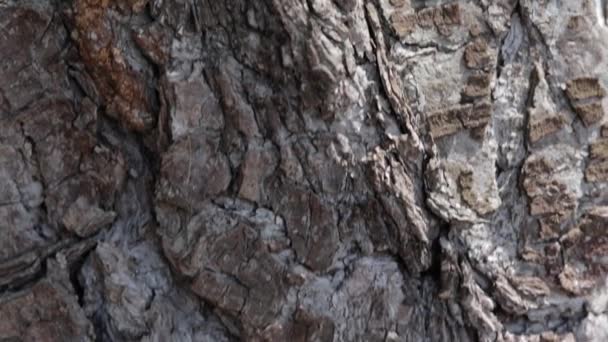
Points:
(290, 170)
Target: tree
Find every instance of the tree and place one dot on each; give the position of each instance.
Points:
(275, 170)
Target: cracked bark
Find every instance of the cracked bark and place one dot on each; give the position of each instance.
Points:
(380, 170)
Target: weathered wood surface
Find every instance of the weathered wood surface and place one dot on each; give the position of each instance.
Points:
(303, 170)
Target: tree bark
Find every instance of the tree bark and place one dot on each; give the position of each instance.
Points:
(291, 170)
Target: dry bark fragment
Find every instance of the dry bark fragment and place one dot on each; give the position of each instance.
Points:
(586, 94)
(115, 80)
(591, 113)
(48, 311)
(584, 88)
(477, 54)
(597, 168)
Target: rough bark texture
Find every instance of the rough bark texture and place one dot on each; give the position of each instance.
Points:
(303, 170)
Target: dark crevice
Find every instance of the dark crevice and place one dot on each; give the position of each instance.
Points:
(498, 170)
(74, 274)
(434, 271)
(602, 11)
(43, 254)
(509, 40)
(21, 284)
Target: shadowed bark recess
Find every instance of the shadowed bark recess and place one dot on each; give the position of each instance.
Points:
(303, 170)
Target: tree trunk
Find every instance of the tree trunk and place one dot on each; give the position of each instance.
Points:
(291, 170)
